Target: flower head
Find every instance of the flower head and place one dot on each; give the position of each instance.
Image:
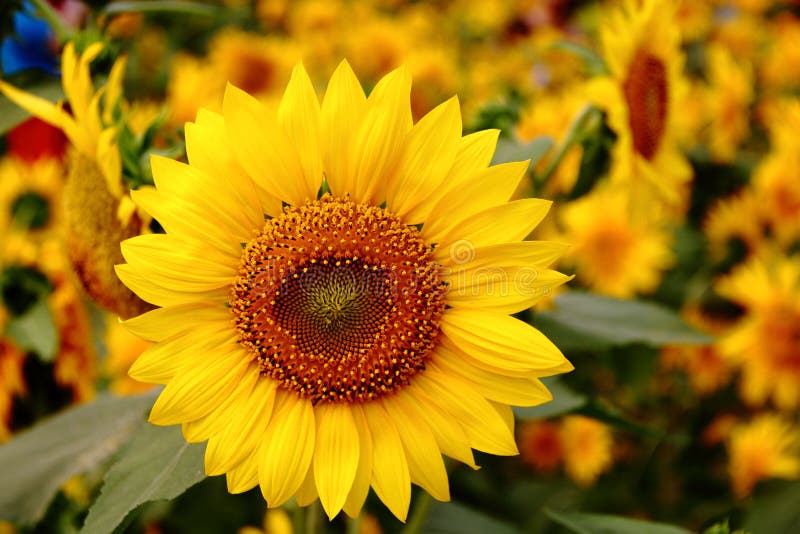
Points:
(334, 295)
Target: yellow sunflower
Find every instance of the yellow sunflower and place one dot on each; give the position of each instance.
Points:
(641, 96)
(764, 343)
(766, 447)
(614, 252)
(30, 194)
(325, 342)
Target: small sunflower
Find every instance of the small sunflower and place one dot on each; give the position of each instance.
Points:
(766, 447)
(764, 344)
(642, 95)
(614, 252)
(30, 194)
(334, 288)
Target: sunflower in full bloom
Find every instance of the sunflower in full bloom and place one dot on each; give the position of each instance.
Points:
(764, 344)
(30, 195)
(641, 96)
(614, 251)
(334, 296)
(586, 444)
(766, 447)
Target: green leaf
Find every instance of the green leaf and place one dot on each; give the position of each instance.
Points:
(510, 150)
(162, 6)
(608, 321)
(38, 461)
(453, 518)
(156, 464)
(610, 524)
(564, 401)
(11, 114)
(35, 331)
(774, 508)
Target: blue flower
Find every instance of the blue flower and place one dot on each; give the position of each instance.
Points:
(31, 46)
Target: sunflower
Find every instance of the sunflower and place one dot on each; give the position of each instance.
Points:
(334, 295)
(766, 447)
(29, 194)
(764, 343)
(614, 252)
(98, 213)
(641, 96)
(586, 444)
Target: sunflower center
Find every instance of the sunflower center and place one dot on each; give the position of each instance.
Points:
(338, 301)
(645, 91)
(30, 210)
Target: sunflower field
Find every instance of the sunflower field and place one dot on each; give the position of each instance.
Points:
(400, 266)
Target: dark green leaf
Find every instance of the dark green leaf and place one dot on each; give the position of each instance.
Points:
(35, 331)
(453, 518)
(774, 508)
(610, 524)
(36, 462)
(510, 150)
(564, 401)
(620, 322)
(156, 464)
(161, 6)
(11, 114)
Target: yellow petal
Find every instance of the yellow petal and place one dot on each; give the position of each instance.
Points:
(501, 341)
(207, 149)
(285, 455)
(218, 419)
(183, 218)
(185, 265)
(522, 253)
(505, 223)
(161, 323)
(164, 294)
(382, 136)
(244, 476)
(307, 493)
(517, 391)
(43, 109)
(299, 114)
(475, 152)
(432, 147)
(490, 187)
(236, 211)
(161, 362)
(503, 289)
(425, 463)
(358, 493)
(262, 147)
(449, 434)
(244, 430)
(390, 476)
(335, 455)
(200, 387)
(344, 104)
(484, 427)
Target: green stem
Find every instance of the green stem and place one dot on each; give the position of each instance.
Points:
(312, 520)
(579, 126)
(422, 506)
(63, 32)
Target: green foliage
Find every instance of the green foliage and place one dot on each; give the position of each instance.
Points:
(156, 464)
(35, 331)
(564, 401)
(454, 518)
(11, 115)
(39, 461)
(162, 6)
(775, 509)
(609, 524)
(583, 320)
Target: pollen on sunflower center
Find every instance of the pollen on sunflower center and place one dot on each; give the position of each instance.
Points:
(338, 301)
(645, 91)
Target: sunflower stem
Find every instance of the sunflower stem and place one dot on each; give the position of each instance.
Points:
(580, 124)
(312, 518)
(46, 11)
(422, 506)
